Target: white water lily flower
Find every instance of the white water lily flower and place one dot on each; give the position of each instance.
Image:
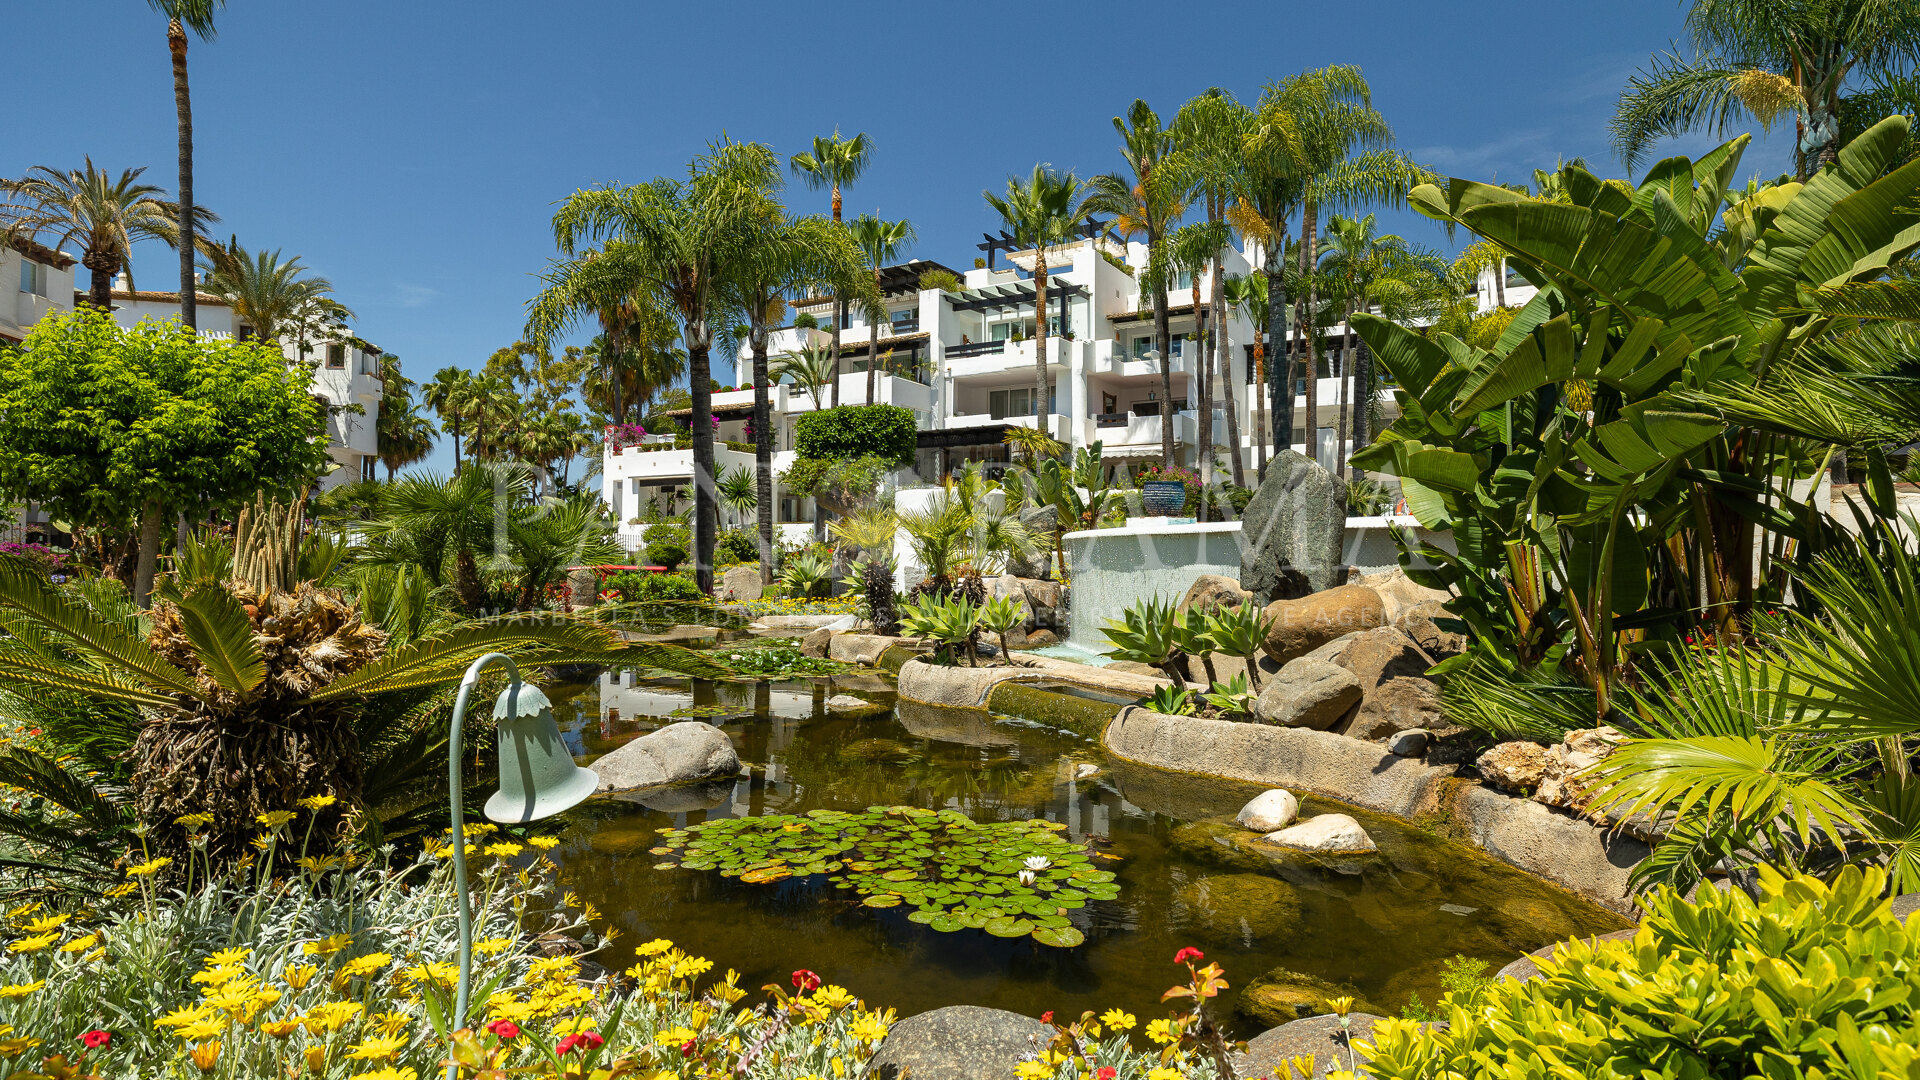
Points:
(1038, 862)
(1026, 878)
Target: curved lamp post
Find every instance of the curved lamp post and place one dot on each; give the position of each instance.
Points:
(538, 779)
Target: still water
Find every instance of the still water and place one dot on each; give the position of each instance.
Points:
(1382, 926)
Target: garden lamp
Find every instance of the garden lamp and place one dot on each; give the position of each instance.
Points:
(538, 779)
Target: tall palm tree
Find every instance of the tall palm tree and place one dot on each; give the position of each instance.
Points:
(405, 437)
(182, 16)
(1144, 204)
(1040, 211)
(1272, 186)
(1765, 59)
(1247, 294)
(445, 395)
(682, 240)
(835, 163)
(1190, 249)
(272, 295)
(1210, 132)
(881, 242)
(1353, 260)
(104, 216)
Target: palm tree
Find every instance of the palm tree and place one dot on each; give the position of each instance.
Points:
(1190, 249)
(1351, 263)
(810, 369)
(269, 294)
(1247, 294)
(182, 16)
(682, 240)
(106, 217)
(1041, 211)
(1272, 186)
(835, 163)
(881, 242)
(1210, 133)
(445, 395)
(404, 436)
(1763, 59)
(1145, 205)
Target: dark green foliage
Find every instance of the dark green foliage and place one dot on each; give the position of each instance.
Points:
(736, 546)
(640, 586)
(851, 431)
(666, 545)
(1009, 878)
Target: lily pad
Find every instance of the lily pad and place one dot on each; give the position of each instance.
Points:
(1060, 937)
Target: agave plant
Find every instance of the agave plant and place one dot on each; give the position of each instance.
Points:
(237, 704)
(806, 574)
(1171, 700)
(1232, 696)
(949, 621)
(1238, 631)
(1147, 635)
(1000, 616)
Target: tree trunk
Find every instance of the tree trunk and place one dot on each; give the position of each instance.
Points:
(1040, 338)
(1202, 381)
(182, 105)
(1500, 283)
(151, 519)
(1362, 399)
(1309, 267)
(1346, 383)
(1163, 343)
(456, 444)
(1282, 395)
(763, 456)
(1223, 350)
(466, 582)
(705, 509)
(1259, 396)
(100, 288)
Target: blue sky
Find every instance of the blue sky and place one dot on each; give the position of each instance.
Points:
(411, 150)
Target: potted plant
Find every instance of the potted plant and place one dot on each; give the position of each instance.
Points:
(1163, 489)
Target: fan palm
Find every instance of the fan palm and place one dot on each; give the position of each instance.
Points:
(881, 242)
(1146, 205)
(1041, 211)
(182, 16)
(1764, 60)
(272, 295)
(104, 216)
(405, 437)
(446, 395)
(738, 491)
(834, 164)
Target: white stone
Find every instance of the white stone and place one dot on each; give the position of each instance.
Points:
(1324, 833)
(1269, 810)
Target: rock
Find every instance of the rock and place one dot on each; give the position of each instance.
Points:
(848, 705)
(1321, 1037)
(740, 583)
(1303, 625)
(1410, 743)
(583, 587)
(1213, 590)
(1134, 667)
(1420, 624)
(1374, 655)
(1042, 638)
(1333, 834)
(1560, 783)
(1086, 771)
(1282, 996)
(1399, 593)
(1515, 766)
(1308, 693)
(1525, 968)
(1269, 811)
(1007, 587)
(1402, 704)
(1292, 530)
(677, 753)
(1905, 906)
(1045, 599)
(1240, 908)
(1043, 520)
(959, 1042)
(816, 643)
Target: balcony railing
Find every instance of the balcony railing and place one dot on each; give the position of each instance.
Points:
(975, 348)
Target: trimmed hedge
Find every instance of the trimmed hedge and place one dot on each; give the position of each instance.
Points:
(852, 431)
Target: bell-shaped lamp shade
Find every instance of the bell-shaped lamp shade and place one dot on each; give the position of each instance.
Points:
(538, 778)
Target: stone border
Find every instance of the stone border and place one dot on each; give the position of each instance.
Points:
(1576, 855)
(967, 688)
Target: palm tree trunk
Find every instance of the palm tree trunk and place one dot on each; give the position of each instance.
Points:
(1346, 382)
(466, 582)
(1260, 396)
(1282, 394)
(763, 456)
(1500, 283)
(1309, 263)
(183, 107)
(1362, 399)
(1223, 349)
(705, 510)
(1040, 338)
(456, 444)
(1163, 343)
(1202, 403)
(150, 521)
(100, 288)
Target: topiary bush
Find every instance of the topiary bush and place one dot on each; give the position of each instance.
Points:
(736, 546)
(851, 431)
(666, 545)
(639, 586)
(1812, 980)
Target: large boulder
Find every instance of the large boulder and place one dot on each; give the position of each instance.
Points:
(1396, 705)
(817, 641)
(959, 1042)
(1325, 834)
(1282, 996)
(1396, 696)
(1560, 783)
(1308, 693)
(1043, 520)
(1515, 766)
(1213, 590)
(676, 754)
(1269, 811)
(1297, 627)
(1324, 1038)
(1008, 587)
(1422, 624)
(1399, 593)
(1292, 531)
(740, 583)
(1239, 908)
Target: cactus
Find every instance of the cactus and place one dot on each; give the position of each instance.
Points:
(266, 543)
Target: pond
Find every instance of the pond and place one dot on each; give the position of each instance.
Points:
(1382, 926)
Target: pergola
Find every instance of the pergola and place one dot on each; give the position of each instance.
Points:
(1014, 295)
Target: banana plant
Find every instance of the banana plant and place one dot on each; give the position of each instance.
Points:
(1146, 634)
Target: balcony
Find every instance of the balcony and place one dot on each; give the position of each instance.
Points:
(1056, 422)
(997, 357)
(1130, 429)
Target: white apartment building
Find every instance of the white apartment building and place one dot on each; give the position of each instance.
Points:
(964, 362)
(35, 280)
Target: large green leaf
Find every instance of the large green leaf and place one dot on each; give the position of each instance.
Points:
(222, 638)
(110, 644)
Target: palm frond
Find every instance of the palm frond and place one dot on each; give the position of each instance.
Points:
(222, 638)
(40, 775)
(23, 591)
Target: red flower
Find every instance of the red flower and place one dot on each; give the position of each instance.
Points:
(686, 1048)
(96, 1039)
(1187, 954)
(804, 980)
(1047, 1017)
(586, 1040)
(1105, 1072)
(505, 1029)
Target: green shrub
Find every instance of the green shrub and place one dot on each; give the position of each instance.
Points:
(1813, 980)
(666, 545)
(639, 586)
(851, 431)
(736, 546)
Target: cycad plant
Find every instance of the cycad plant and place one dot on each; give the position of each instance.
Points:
(872, 530)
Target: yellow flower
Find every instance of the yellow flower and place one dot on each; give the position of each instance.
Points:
(544, 843)
(1341, 1006)
(194, 821)
(279, 1029)
(273, 819)
(299, 975)
(1163, 1074)
(1163, 1032)
(335, 1015)
(204, 1029)
(654, 947)
(833, 997)
(13, 1048)
(388, 1073)
(1033, 1070)
(318, 864)
(377, 1048)
(47, 924)
(574, 1025)
(504, 850)
(262, 842)
(181, 1017)
(361, 966)
(1118, 1020)
(20, 990)
(228, 956)
(33, 944)
(328, 946)
(151, 867)
(869, 1029)
(317, 803)
(489, 946)
(316, 1059)
(205, 1056)
(438, 972)
(121, 890)
(676, 1036)
(390, 1023)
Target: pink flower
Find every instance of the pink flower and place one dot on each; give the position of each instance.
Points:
(1047, 1017)
(586, 1040)
(1188, 953)
(1105, 1072)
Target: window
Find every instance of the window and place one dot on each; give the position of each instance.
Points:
(1018, 402)
(33, 277)
(1139, 347)
(617, 515)
(245, 333)
(336, 356)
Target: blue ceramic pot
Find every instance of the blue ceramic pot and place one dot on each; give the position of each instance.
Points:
(1163, 498)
